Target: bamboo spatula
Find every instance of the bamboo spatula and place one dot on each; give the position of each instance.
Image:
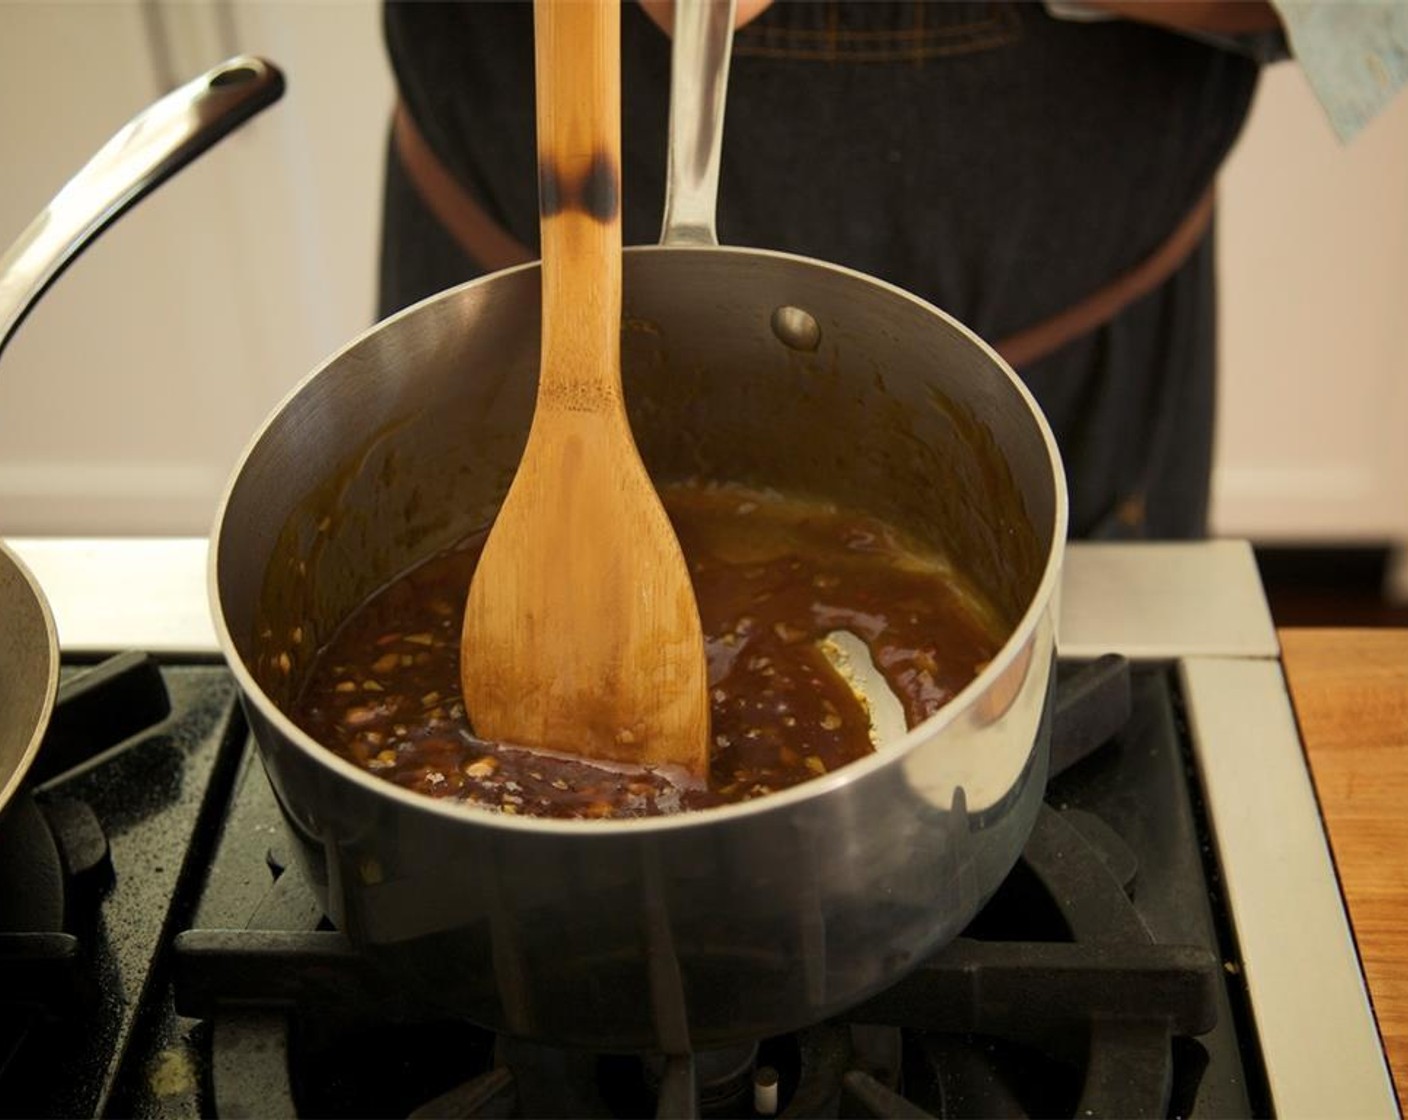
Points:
(581, 633)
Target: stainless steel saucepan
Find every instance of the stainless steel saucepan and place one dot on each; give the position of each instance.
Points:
(742, 365)
(29, 671)
(764, 368)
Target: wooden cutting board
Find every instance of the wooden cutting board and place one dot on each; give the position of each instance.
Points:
(1350, 690)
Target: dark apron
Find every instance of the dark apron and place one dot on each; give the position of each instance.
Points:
(1000, 164)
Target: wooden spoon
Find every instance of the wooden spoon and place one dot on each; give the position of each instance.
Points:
(581, 633)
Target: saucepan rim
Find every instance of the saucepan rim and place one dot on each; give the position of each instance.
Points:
(11, 781)
(1022, 634)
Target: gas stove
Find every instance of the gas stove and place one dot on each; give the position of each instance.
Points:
(1173, 941)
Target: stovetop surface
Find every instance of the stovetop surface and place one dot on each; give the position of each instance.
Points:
(155, 799)
(195, 842)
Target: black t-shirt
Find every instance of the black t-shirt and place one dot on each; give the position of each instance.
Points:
(995, 161)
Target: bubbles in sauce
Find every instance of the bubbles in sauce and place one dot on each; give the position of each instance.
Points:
(773, 578)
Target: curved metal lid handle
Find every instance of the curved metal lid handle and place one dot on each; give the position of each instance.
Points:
(151, 148)
(703, 43)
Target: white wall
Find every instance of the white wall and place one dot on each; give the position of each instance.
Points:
(1313, 248)
(128, 395)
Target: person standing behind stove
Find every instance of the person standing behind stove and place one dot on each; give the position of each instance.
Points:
(1042, 172)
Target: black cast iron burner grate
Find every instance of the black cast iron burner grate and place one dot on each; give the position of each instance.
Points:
(1097, 1008)
(100, 854)
(54, 857)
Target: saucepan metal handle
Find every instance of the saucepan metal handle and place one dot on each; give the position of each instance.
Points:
(703, 44)
(150, 148)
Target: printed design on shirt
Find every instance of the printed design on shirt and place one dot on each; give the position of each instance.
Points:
(910, 31)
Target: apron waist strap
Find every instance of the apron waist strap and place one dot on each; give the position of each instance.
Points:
(1046, 337)
(481, 238)
(492, 247)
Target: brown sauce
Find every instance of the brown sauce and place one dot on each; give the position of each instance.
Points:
(773, 578)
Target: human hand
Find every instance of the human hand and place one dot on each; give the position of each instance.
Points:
(662, 12)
